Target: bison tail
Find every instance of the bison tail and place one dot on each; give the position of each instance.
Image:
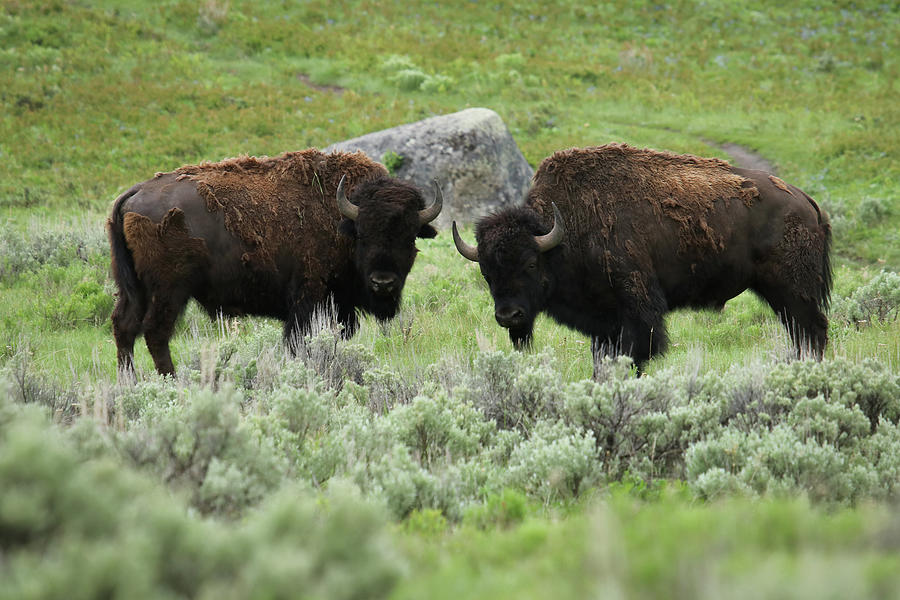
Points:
(123, 270)
(825, 291)
(823, 295)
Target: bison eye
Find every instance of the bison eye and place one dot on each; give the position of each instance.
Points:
(532, 265)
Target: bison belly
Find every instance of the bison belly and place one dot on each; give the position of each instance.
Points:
(709, 277)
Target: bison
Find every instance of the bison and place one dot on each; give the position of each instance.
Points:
(613, 237)
(275, 237)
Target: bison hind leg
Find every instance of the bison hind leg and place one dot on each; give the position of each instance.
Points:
(808, 328)
(127, 322)
(159, 325)
(804, 320)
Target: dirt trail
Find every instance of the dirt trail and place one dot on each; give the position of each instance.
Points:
(741, 156)
(744, 157)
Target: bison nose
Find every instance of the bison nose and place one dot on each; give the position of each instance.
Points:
(509, 316)
(383, 283)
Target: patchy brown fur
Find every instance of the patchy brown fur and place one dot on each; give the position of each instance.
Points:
(648, 183)
(165, 252)
(799, 257)
(251, 193)
(780, 184)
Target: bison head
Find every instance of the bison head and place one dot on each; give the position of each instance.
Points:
(511, 253)
(385, 216)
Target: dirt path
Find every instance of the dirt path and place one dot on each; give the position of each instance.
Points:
(322, 88)
(744, 157)
(741, 156)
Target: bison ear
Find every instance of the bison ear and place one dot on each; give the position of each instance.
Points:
(427, 231)
(348, 227)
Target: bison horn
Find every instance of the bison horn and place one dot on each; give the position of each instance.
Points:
(427, 215)
(556, 235)
(347, 208)
(470, 252)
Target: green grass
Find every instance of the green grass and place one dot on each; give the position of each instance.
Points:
(96, 96)
(779, 79)
(664, 548)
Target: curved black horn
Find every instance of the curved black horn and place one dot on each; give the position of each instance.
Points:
(556, 235)
(347, 208)
(470, 252)
(429, 214)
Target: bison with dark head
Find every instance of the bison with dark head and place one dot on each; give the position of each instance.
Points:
(613, 237)
(276, 237)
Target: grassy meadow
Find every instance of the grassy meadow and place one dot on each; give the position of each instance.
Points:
(425, 458)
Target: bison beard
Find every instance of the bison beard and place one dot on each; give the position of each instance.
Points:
(273, 237)
(647, 232)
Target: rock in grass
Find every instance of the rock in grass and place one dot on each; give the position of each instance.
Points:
(471, 153)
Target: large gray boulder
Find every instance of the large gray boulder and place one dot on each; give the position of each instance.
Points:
(471, 153)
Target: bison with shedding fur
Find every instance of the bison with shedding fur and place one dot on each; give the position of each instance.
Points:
(276, 237)
(613, 237)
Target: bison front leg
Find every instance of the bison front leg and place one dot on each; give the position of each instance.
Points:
(639, 339)
(308, 317)
(646, 340)
(296, 326)
(348, 319)
(621, 344)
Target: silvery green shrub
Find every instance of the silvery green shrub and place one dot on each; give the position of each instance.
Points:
(77, 526)
(778, 462)
(866, 384)
(409, 79)
(293, 419)
(426, 454)
(557, 462)
(386, 389)
(514, 390)
(830, 434)
(878, 301)
(397, 62)
(438, 427)
(334, 359)
(881, 451)
(296, 545)
(21, 381)
(151, 392)
(643, 425)
(22, 252)
(872, 210)
(249, 361)
(436, 83)
(199, 443)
